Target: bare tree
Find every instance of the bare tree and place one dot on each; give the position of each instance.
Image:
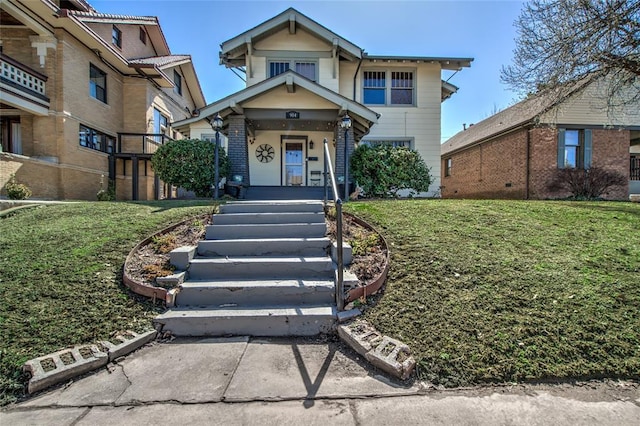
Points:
(564, 43)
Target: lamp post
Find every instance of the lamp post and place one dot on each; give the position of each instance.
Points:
(216, 124)
(345, 123)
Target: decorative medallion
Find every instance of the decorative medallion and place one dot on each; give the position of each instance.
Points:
(265, 153)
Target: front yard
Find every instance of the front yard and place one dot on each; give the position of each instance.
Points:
(512, 291)
(481, 290)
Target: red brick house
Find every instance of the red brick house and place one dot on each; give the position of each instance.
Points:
(516, 152)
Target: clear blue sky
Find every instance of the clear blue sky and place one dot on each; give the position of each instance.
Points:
(479, 29)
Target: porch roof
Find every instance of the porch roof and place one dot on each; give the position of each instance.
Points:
(363, 118)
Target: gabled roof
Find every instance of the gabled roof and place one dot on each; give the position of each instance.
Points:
(291, 79)
(151, 23)
(234, 49)
(154, 67)
(522, 113)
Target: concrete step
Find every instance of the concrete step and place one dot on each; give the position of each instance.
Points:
(260, 267)
(263, 247)
(288, 230)
(297, 320)
(256, 292)
(281, 206)
(268, 218)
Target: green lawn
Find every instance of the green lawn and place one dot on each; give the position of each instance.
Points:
(511, 291)
(480, 290)
(60, 277)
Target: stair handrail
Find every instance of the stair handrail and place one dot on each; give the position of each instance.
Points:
(338, 203)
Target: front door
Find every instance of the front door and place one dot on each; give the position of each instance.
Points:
(293, 164)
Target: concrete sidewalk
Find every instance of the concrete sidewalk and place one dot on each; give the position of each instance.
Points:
(301, 381)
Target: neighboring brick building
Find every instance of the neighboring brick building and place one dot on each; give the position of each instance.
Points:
(75, 86)
(516, 152)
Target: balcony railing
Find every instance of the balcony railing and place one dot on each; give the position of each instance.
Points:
(140, 143)
(19, 75)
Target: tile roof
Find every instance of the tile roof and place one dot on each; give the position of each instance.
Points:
(160, 61)
(109, 17)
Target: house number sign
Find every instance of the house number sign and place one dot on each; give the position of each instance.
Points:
(293, 115)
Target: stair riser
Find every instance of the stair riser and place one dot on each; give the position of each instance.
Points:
(296, 230)
(263, 248)
(260, 270)
(270, 207)
(268, 218)
(252, 296)
(249, 326)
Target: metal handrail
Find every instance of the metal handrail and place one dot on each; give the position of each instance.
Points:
(338, 204)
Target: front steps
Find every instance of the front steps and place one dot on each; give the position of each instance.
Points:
(262, 270)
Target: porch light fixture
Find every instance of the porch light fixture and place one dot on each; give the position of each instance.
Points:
(345, 123)
(216, 124)
(310, 144)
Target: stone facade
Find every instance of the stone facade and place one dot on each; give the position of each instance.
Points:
(238, 150)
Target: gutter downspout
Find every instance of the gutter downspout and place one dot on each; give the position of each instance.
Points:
(355, 76)
(528, 165)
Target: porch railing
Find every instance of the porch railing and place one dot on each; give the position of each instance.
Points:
(23, 76)
(634, 171)
(338, 204)
(140, 143)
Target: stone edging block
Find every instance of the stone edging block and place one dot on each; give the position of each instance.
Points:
(386, 353)
(130, 342)
(392, 356)
(62, 365)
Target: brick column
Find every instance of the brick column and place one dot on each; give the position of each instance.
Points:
(339, 135)
(238, 151)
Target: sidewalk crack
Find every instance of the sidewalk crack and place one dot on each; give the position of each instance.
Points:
(81, 416)
(129, 383)
(233, 373)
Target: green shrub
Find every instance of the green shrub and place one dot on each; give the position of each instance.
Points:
(189, 164)
(17, 191)
(383, 170)
(108, 194)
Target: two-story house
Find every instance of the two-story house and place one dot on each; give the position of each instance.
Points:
(86, 97)
(302, 79)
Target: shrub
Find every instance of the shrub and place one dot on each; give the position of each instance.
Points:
(108, 194)
(586, 184)
(189, 164)
(17, 191)
(383, 170)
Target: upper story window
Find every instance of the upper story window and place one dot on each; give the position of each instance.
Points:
(160, 124)
(387, 87)
(116, 36)
(177, 81)
(574, 149)
(304, 68)
(97, 83)
(93, 139)
(143, 35)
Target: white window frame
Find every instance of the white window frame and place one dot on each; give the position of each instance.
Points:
(292, 65)
(388, 89)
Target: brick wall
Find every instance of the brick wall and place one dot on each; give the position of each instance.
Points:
(497, 169)
(610, 151)
(238, 151)
(339, 135)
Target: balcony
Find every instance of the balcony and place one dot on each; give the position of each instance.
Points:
(22, 87)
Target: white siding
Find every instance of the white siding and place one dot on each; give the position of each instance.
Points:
(589, 108)
(269, 174)
(280, 98)
(300, 41)
(421, 122)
